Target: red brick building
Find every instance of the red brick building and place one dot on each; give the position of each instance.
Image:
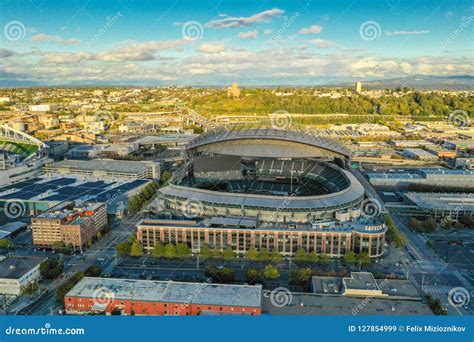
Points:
(145, 297)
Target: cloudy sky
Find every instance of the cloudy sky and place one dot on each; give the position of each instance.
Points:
(215, 42)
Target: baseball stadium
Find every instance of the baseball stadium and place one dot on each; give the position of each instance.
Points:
(264, 188)
(272, 175)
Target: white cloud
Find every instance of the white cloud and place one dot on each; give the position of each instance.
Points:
(311, 30)
(248, 35)
(405, 33)
(41, 37)
(323, 43)
(267, 32)
(264, 17)
(212, 48)
(139, 51)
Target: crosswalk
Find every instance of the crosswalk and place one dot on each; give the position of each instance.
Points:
(437, 290)
(430, 268)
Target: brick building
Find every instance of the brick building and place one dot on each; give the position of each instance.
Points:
(69, 223)
(327, 238)
(146, 297)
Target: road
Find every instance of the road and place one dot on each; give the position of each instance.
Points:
(430, 273)
(102, 253)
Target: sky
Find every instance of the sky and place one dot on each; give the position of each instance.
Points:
(215, 42)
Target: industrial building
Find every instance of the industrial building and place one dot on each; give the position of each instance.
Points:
(440, 205)
(423, 177)
(105, 168)
(145, 297)
(39, 194)
(18, 272)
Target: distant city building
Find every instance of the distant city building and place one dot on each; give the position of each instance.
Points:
(459, 144)
(425, 177)
(465, 163)
(419, 154)
(102, 151)
(42, 108)
(69, 223)
(234, 90)
(358, 87)
(146, 297)
(17, 272)
(241, 234)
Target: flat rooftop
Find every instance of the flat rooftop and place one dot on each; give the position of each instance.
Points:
(172, 292)
(361, 281)
(443, 201)
(16, 267)
(63, 210)
(59, 189)
(419, 174)
(319, 305)
(106, 165)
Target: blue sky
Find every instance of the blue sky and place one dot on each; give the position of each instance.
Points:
(215, 42)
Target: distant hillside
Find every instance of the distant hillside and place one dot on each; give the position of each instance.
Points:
(462, 82)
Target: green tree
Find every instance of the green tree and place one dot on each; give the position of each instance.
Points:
(313, 257)
(254, 276)
(165, 177)
(182, 250)
(51, 268)
(170, 251)
(216, 253)
(301, 255)
(6, 243)
(31, 288)
(205, 252)
(136, 249)
(252, 254)
(271, 272)
(93, 271)
(325, 259)
(414, 224)
(350, 258)
(124, 248)
(228, 254)
(264, 255)
(276, 257)
(364, 259)
(300, 277)
(158, 250)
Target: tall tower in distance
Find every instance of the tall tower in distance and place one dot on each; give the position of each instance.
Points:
(358, 87)
(233, 91)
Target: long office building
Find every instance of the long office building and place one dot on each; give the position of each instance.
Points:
(105, 168)
(334, 239)
(424, 177)
(69, 223)
(146, 297)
